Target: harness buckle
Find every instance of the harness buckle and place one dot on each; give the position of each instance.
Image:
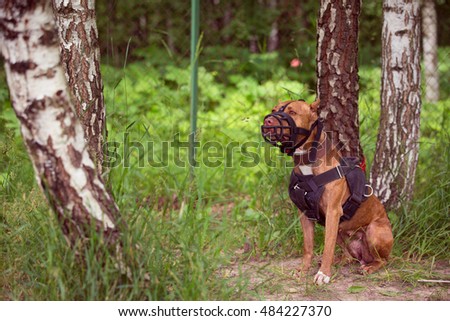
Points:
(339, 171)
(371, 191)
(296, 187)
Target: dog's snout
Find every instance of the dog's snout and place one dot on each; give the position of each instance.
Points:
(268, 121)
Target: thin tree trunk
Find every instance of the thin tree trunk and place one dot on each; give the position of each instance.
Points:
(80, 54)
(253, 44)
(50, 128)
(397, 150)
(337, 72)
(430, 54)
(274, 40)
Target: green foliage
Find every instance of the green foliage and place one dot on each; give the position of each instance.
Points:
(422, 228)
(169, 256)
(157, 110)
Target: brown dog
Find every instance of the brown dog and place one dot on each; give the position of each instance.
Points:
(367, 235)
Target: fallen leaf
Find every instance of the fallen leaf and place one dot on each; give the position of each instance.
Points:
(356, 289)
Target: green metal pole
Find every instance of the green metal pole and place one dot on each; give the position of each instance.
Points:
(195, 21)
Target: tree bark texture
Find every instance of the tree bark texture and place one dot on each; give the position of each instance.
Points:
(337, 72)
(397, 151)
(80, 54)
(430, 54)
(50, 128)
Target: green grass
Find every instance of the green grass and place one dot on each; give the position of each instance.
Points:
(188, 234)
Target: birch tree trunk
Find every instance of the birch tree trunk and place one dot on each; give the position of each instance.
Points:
(397, 151)
(80, 53)
(337, 72)
(430, 54)
(50, 128)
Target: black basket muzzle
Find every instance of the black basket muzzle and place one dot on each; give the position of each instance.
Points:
(283, 132)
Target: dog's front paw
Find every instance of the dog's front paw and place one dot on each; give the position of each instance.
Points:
(321, 278)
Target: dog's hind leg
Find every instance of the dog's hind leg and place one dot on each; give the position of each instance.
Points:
(379, 242)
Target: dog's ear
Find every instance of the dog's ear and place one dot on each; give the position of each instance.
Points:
(315, 105)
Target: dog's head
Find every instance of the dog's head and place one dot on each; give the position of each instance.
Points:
(290, 124)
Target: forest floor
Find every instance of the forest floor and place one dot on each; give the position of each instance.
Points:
(400, 281)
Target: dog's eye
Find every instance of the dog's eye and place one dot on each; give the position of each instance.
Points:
(293, 113)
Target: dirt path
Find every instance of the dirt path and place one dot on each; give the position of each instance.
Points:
(275, 280)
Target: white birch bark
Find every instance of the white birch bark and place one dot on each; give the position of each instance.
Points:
(50, 128)
(80, 53)
(397, 151)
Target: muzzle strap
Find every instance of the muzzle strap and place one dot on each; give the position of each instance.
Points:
(307, 133)
(315, 145)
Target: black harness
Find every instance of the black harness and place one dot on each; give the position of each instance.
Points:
(306, 190)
